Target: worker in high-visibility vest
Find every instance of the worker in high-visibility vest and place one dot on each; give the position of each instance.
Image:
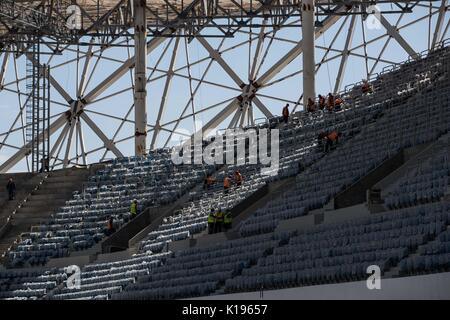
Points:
(226, 184)
(219, 220)
(211, 221)
(332, 139)
(227, 220)
(133, 209)
(238, 177)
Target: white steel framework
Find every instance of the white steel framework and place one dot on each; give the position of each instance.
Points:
(206, 65)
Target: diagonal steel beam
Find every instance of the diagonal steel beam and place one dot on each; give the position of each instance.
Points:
(87, 63)
(298, 49)
(81, 139)
(345, 54)
(69, 143)
(59, 140)
(3, 69)
(108, 143)
(122, 70)
(439, 23)
(220, 117)
(394, 33)
(262, 107)
(258, 50)
(166, 90)
(235, 118)
(25, 150)
(215, 55)
(55, 84)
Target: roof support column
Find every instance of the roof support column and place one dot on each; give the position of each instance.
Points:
(308, 41)
(140, 77)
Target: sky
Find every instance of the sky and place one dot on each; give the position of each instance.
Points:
(217, 88)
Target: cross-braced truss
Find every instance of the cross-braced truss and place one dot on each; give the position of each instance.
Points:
(211, 65)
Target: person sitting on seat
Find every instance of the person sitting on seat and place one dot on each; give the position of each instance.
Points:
(286, 113)
(322, 102)
(238, 178)
(332, 140)
(311, 105)
(226, 184)
(330, 102)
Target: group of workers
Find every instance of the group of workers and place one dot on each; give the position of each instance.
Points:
(330, 102)
(227, 181)
(110, 225)
(219, 221)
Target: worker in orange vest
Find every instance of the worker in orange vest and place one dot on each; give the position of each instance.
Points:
(332, 139)
(238, 177)
(286, 113)
(226, 184)
(338, 103)
(311, 105)
(330, 105)
(366, 87)
(322, 102)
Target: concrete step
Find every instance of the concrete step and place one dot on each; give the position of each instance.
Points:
(57, 185)
(29, 220)
(52, 194)
(37, 209)
(51, 197)
(69, 172)
(66, 179)
(54, 190)
(43, 203)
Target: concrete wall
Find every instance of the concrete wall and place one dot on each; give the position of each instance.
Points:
(322, 216)
(115, 256)
(433, 286)
(68, 261)
(356, 193)
(412, 157)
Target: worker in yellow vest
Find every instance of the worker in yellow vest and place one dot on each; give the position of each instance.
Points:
(227, 220)
(133, 209)
(211, 221)
(219, 220)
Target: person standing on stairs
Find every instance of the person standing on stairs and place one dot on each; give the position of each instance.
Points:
(133, 209)
(211, 221)
(238, 178)
(286, 113)
(11, 187)
(110, 226)
(227, 220)
(45, 165)
(219, 221)
(226, 184)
